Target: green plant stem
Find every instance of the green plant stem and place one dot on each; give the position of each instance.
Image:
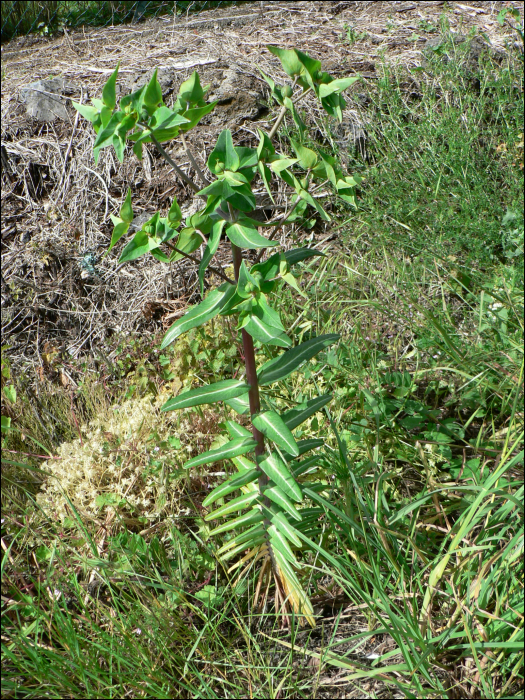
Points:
(284, 110)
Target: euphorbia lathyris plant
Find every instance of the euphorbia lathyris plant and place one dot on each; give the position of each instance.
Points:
(271, 519)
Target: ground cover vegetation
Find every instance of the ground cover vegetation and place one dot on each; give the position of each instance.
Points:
(113, 580)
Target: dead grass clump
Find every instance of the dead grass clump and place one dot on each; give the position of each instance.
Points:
(126, 463)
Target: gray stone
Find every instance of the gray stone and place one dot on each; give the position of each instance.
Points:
(45, 99)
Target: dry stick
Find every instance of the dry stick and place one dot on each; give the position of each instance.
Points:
(193, 161)
(174, 165)
(196, 260)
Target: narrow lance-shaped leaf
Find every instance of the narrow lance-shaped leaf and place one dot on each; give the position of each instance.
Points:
(248, 536)
(211, 249)
(120, 229)
(234, 505)
(240, 404)
(235, 430)
(280, 367)
(276, 470)
(273, 427)
(201, 313)
(231, 484)
(220, 391)
(275, 494)
(299, 254)
(278, 541)
(253, 516)
(296, 416)
(109, 97)
(234, 448)
(280, 521)
(305, 446)
(126, 210)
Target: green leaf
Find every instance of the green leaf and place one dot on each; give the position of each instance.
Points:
(337, 86)
(195, 115)
(279, 542)
(109, 97)
(305, 446)
(281, 523)
(311, 65)
(210, 250)
(290, 279)
(276, 470)
(272, 426)
(276, 495)
(126, 212)
(190, 91)
(291, 64)
(314, 203)
(280, 163)
(280, 367)
(266, 177)
(231, 158)
(240, 404)
(299, 254)
(105, 135)
(188, 241)
(251, 518)
(232, 484)
(234, 448)
(250, 538)
(211, 393)
(236, 504)
(247, 157)
(307, 158)
(298, 415)
(141, 243)
(263, 324)
(10, 393)
(152, 94)
(305, 465)
(174, 214)
(89, 113)
(295, 115)
(201, 313)
(121, 228)
(246, 284)
(6, 423)
(235, 430)
(244, 234)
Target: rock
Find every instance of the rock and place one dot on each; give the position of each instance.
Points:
(45, 99)
(445, 48)
(239, 96)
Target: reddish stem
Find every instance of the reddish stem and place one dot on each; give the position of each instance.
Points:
(251, 371)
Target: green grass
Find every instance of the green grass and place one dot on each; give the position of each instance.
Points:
(423, 529)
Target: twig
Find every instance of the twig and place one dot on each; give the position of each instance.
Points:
(196, 260)
(174, 165)
(193, 161)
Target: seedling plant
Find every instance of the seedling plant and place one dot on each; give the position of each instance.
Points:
(273, 517)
